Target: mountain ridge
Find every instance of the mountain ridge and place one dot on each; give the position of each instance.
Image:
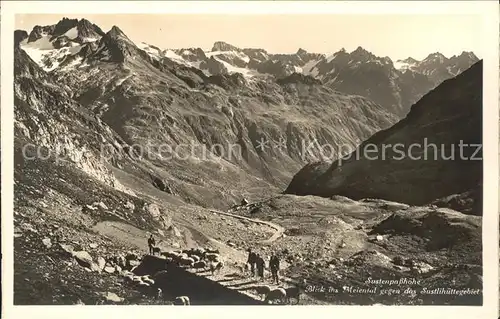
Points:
(401, 83)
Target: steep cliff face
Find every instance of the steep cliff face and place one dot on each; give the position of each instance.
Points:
(53, 125)
(433, 153)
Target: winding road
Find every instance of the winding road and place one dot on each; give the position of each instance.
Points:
(279, 230)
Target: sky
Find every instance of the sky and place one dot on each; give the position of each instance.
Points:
(396, 36)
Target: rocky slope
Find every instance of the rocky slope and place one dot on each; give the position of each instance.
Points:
(386, 166)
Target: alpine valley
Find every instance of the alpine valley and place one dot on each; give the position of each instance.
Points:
(225, 148)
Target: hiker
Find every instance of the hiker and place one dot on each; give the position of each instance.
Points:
(274, 265)
(252, 260)
(151, 244)
(261, 264)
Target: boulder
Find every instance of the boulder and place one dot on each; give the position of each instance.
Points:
(101, 263)
(101, 205)
(109, 269)
(84, 259)
(47, 242)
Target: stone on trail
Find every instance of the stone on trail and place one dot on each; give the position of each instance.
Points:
(93, 245)
(109, 269)
(91, 207)
(129, 205)
(101, 205)
(47, 242)
(380, 238)
(83, 258)
(101, 263)
(66, 250)
(176, 245)
(111, 296)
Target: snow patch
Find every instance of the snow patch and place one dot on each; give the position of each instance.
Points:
(331, 57)
(233, 69)
(174, 56)
(87, 40)
(309, 68)
(400, 65)
(314, 72)
(233, 54)
(72, 33)
(120, 81)
(72, 64)
(297, 69)
(45, 55)
(41, 44)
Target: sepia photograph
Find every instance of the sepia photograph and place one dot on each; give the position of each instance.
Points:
(250, 159)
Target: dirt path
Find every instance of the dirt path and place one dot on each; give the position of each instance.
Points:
(279, 230)
(123, 232)
(230, 276)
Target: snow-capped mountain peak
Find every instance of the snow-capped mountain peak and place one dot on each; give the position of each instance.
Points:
(72, 41)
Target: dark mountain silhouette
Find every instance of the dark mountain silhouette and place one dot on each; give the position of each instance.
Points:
(446, 117)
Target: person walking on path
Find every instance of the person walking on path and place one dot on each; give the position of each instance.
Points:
(261, 264)
(274, 265)
(151, 244)
(252, 260)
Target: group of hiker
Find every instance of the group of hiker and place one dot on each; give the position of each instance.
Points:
(257, 264)
(255, 260)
